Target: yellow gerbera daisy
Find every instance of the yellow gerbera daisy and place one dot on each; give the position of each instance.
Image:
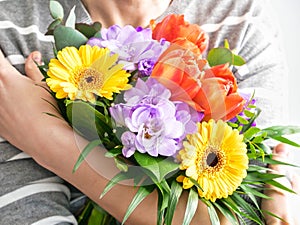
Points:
(85, 73)
(216, 158)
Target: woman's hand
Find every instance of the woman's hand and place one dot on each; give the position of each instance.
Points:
(23, 108)
(283, 204)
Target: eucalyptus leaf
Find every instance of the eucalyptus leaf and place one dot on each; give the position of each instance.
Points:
(89, 30)
(238, 60)
(176, 190)
(53, 25)
(218, 56)
(67, 36)
(56, 10)
(191, 207)
(71, 20)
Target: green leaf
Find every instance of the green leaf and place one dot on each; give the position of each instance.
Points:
(160, 167)
(276, 162)
(99, 216)
(141, 194)
(226, 212)
(248, 113)
(251, 214)
(218, 56)
(191, 207)
(286, 141)
(88, 30)
(213, 215)
(253, 192)
(238, 60)
(71, 20)
(160, 209)
(272, 214)
(53, 25)
(120, 164)
(242, 120)
(276, 131)
(131, 173)
(176, 190)
(249, 134)
(67, 36)
(87, 121)
(226, 44)
(279, 185)
(56, 10)
(84, 216)
(85, 152)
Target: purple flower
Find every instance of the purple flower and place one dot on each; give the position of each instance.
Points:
(158, 124)
(135, 47)
(128, 140)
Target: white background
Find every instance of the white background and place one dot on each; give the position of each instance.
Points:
(288, 17)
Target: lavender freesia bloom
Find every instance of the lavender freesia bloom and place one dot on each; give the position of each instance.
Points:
(157, 125)
(135, 47)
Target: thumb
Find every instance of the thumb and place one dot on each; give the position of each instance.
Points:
(31, 66)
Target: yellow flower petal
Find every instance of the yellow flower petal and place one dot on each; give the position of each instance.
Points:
(217, 157)
(86, 73)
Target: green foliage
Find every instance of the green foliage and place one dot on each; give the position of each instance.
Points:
(66, 36)
(175, 194)
(191, 207)
(222, 55)
(159, 167)
(56, 10)
(141, 194)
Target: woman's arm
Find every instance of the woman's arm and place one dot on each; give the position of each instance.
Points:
(54, 145)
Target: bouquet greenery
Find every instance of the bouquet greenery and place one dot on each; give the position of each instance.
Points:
(173, 120)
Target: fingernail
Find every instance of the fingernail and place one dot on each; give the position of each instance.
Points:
(36, 56)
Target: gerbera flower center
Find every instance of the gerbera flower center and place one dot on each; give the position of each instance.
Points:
(212, 159)
(89, 79)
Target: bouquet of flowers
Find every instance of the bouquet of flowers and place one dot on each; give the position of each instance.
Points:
(173, 120)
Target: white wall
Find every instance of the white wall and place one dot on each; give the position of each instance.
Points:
(288, 17)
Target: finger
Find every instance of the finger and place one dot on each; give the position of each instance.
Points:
(31, 66)
(281, 153)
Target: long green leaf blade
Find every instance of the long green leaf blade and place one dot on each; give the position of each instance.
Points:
(176, 190)
(191, 207)
(91, 145)
(141, 194)
(227, 213)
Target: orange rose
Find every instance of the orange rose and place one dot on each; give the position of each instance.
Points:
(218, 95)
(179, 70)
(174, 29)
